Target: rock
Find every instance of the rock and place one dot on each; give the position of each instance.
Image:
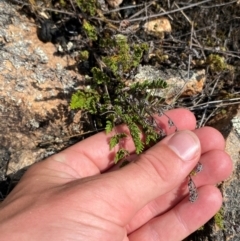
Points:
(179, 84)
(158, 27)
(114, 3)
(4, 159)
(35, 91)
(230, 188)
(103, 5)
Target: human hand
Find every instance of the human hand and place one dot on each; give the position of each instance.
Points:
(77, 195)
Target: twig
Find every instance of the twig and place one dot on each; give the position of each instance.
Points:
(159, 14)
(210, 26)
(183, 13)
(219, 5)
(44, 8)
(123, 8)
(142, 10)
(102, 65)
(205, 110)
(190, 42)
(168, 14)
(228, 53)
(199, 45)
(216, 103)
(207, 119)
(73, 6)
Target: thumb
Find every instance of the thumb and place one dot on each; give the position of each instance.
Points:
(156, 172)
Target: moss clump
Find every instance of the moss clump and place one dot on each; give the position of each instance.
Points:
(84, 55)
(216, 62)
(124, 56)
(90, 30)
(218, 219)
(63, 3)
(89, 6)
(138, 50)
(99, 77)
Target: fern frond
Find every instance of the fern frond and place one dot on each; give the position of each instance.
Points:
(143, 86)
(124, 163)
(151, 136)
(114, 140)
(135, 133)
(122, 153)
(109, 126)
(85, 100)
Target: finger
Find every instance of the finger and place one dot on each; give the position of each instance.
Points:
(217, 166)
(183, 219)
(92, 155)
(210, 139)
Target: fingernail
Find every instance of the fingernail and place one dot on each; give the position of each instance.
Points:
(185, 144)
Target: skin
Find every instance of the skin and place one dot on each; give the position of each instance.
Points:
(77, 195)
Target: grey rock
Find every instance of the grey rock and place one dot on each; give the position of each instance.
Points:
(35, 90)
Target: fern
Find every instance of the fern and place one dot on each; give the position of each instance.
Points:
(122, 153)
(113, 102)
(124, 163)
(109, 126)
(151, 137)
(85, 100)
(114, 140)
(135, 133)
(157, 84)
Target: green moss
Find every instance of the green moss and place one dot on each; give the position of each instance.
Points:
(124, 56)
(89, 6)
(216, 62)
(107, 42)
(84, 55)
(138, 50)
(63, 3)
(218, 219)
(99, 77)
(120, 56)
(209, 41)
(224, 111)
(90, 30)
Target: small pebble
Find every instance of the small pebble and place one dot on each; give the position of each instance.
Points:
(114, 3)
(158, 26)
